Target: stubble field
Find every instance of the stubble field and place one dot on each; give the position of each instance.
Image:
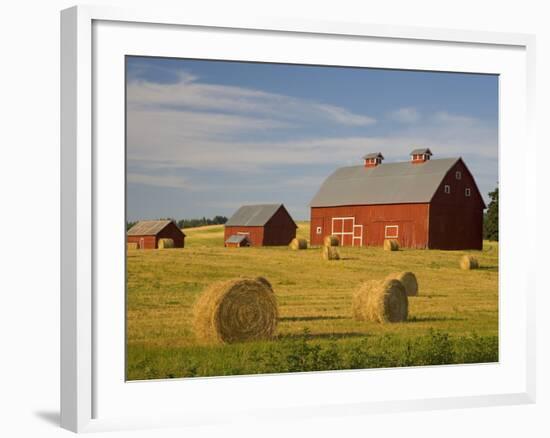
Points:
(453, 320)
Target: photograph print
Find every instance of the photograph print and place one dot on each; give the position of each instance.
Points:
(286, 218)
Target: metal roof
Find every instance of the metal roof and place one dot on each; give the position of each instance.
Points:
(253, 215)
(373, 155)
(237, 238)
(390, 183)
(421, 152)
(148, 228)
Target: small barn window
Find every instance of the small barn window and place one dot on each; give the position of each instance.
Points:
(468, 191)
(458, 174)
(391, 231)
(319, 230)
(447, 188)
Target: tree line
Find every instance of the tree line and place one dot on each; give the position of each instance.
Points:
(189, 223)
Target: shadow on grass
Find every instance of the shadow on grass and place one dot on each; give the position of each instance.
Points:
(310, 318)
(489, 268)
(433, 319)
(313, 337)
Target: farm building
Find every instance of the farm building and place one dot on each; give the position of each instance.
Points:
(423, 203)
(146, 234)
(263, 225)
(237, 241)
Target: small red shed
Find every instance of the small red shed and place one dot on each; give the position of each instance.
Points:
(146, 234)
(263, 225)
(423, 203)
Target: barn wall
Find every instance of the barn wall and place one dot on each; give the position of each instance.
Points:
(412, 220)
(149, 242)
(280, 229)
(171, 231)
(255, 234)
(456, 221)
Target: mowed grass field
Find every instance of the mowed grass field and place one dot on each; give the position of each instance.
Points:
(453, 320)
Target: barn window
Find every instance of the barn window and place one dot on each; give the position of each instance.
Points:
(468, 191)
(244, 233)
(458, 174)
(319, 230)
(447, 188)
(391, 231)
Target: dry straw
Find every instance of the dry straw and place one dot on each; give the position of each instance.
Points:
(331, 241)
(165, 243)
(330, 253)
(297, 244)
(236, 311)
(409, 281)
(380, 301)
(132, 245)
(469, 262)
(391, 245)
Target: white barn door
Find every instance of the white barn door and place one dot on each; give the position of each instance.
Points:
(348, 233)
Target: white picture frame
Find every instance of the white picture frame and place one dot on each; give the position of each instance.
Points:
(93, 395)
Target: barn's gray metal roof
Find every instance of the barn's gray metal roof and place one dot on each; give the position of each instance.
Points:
(236, 238)
(421, 151)
(253, 215)
(148, 228)
(390, 183)
(373, 155)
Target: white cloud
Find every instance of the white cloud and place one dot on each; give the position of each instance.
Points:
(405, 115)
(189, 94)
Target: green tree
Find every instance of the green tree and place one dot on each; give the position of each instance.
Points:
(490, 231)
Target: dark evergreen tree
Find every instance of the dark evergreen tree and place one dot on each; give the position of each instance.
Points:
(490, 230)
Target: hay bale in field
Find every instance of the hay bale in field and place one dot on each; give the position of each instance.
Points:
(236, 311)
(409, 282)
(297, 244)
(132, 245)
(380, 301)
(331, 241)
(391, 245)
(165, 243)
(469, 262)
(330, 253)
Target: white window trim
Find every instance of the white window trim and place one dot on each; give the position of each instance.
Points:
(392, 236)
(458, 174)
(319, 230)
(243, 233)
(447, 189)
(468, 192)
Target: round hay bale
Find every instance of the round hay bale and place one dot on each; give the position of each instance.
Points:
(331, 241)
(297, 244)
(409, 282)
(469, 262)
(391, 245)
(330, 253)
(165, 243)
(237, 310)
(380, 301)
(132, 245)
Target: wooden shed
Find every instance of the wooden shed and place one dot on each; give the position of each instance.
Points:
(263, 225)
(146, 234)
(237, 241)
(423, 203)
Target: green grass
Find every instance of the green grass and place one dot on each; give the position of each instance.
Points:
(454, 320)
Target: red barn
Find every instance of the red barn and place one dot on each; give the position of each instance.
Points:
(147, 234)
(423, 203)
(263, 225)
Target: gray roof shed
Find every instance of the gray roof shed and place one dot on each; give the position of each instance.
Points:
(390, 183)
(253, 215)
(148, 228)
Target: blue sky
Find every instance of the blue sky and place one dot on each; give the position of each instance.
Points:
(204, 137)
